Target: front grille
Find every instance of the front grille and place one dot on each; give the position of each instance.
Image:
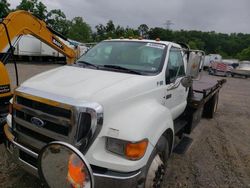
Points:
(33, 134)
(56, 111)
(55, 123)
(61, 129)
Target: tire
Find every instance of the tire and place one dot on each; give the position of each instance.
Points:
(157, 164)
(228, 74)
(211, 106)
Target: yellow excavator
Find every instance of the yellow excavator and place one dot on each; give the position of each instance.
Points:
(15, 25)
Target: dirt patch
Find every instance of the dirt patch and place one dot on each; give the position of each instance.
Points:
(218, 157)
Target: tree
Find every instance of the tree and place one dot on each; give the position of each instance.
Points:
(129, 32)
(244, 54)
(4, 8)
(40, 11)
(119, 31)
(35, 7)
(110, 27)
(143, 30)
(100, 32)
(79, 30)
(28, 5)
(57, 20)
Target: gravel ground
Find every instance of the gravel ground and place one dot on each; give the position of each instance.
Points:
(218, 157)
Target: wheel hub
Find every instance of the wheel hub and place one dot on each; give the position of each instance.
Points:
(155, 173)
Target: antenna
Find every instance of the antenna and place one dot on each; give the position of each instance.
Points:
(168, 24)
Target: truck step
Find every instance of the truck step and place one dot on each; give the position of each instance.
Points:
(183, 145)
(179, 124)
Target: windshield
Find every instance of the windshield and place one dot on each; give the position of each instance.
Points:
(143, 57)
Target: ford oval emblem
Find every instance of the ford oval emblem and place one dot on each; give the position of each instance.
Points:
(37, 122)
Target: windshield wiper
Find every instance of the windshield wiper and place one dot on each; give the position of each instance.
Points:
(117, 67)
(88, 64)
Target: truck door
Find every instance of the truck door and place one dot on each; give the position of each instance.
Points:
(176, 94)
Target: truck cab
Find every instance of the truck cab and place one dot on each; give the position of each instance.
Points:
(119, 104)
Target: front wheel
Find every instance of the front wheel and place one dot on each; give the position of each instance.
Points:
(157, 164)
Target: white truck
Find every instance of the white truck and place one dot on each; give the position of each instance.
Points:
(121, 104)
(210, 59)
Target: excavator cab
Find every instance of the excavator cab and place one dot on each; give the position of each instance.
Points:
(5, 96)
(15, 25)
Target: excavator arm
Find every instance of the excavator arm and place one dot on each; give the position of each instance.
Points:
(20, 23)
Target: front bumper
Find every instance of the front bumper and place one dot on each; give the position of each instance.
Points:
(102, 177)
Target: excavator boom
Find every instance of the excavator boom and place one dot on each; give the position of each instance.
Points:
(20, 23)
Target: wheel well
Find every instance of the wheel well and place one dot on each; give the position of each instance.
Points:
(168, 134)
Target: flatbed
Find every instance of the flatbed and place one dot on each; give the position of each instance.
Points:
(202, 102)
(203, 89)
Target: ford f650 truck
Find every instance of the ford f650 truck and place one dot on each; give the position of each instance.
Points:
(121, 104)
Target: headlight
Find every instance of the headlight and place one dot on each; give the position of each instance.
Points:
(127, 149)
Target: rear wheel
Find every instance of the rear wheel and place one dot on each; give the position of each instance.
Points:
(228, 74)
(157, 164)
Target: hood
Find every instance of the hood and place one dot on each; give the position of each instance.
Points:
(85, 84)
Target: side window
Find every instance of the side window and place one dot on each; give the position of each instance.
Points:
(175, 66)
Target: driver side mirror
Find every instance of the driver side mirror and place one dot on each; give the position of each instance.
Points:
(62, 165)
(195, 61)
(186, 81)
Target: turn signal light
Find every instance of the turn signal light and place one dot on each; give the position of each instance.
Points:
(135, 151)
(127, 149)
(76, 173)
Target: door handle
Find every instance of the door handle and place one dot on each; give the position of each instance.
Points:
(167, 96)
(173, 85)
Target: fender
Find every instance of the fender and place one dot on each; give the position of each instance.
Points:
(139, 120)
(135, 121)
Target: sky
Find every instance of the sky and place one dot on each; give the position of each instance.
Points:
(226, 16)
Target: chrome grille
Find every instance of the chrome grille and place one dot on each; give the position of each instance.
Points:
(61, 122)
(56, 123)
(56, 111)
